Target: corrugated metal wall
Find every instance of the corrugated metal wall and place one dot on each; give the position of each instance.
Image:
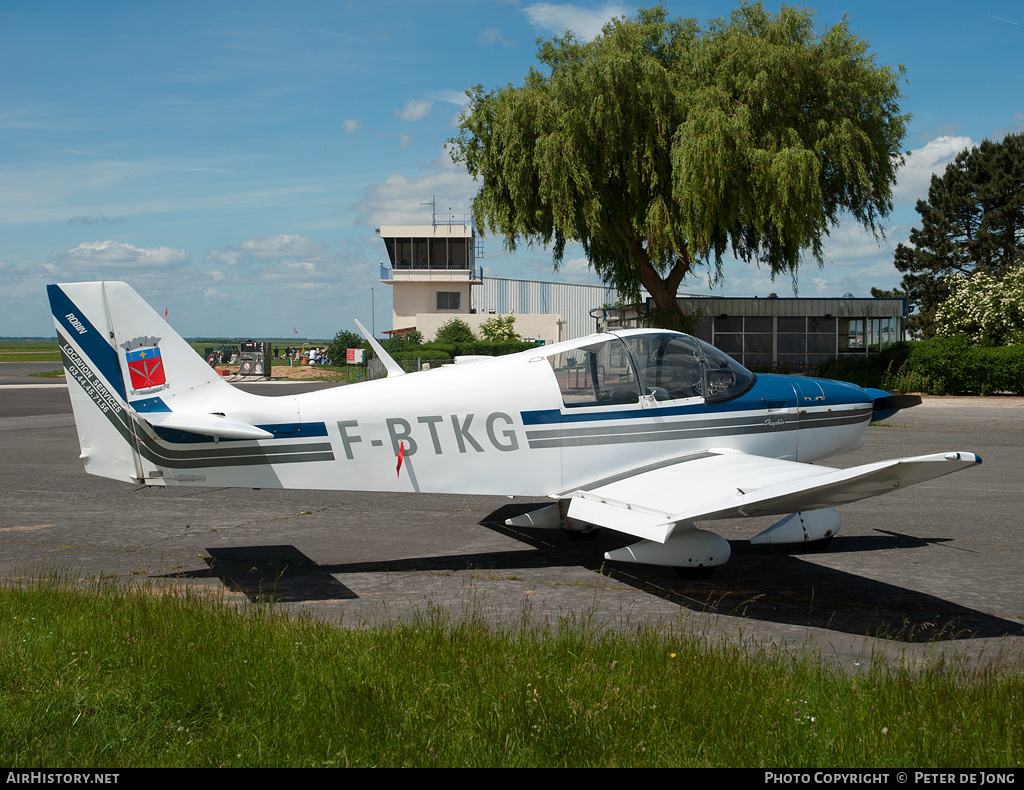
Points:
(573, 302)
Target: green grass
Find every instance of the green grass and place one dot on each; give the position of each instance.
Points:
(28, 345)
(105, 676)
(25, 351)
(30, 356)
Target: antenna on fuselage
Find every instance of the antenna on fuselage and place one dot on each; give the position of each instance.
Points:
(392, 367)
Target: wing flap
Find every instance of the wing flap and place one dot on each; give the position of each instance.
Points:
(730, 484)
(621, 516)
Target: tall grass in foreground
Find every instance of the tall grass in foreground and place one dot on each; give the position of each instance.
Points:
(118, 678)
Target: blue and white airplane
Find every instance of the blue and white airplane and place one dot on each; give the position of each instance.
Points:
(646, 432)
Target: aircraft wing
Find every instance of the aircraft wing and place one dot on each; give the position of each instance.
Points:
(721, 484)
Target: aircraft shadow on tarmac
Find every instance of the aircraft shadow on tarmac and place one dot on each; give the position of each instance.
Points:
(769, 584)
(277, 573)
(773, 584)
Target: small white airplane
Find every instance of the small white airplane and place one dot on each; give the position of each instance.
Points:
(643, 431)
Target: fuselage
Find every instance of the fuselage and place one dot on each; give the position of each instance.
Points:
(528, 424)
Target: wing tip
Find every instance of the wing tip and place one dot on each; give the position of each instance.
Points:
(963, 456)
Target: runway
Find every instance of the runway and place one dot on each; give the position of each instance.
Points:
(933, 568)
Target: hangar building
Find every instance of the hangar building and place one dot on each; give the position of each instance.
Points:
(435, 272)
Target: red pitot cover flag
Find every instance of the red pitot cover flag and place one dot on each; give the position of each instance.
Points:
(401, 455)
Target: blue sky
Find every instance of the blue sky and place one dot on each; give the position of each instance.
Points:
(231, 160)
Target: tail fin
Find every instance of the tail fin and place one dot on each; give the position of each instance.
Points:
(122, 359)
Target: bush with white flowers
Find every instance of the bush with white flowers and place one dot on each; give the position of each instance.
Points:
(990, 311)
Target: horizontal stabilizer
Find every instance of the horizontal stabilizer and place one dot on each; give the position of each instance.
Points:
(207, 425)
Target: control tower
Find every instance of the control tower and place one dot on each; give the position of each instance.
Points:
(431, 267)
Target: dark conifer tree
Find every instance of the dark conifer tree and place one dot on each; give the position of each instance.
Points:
(972, 221)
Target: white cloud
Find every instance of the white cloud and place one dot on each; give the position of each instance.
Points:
(855, 261)
(458, 98)
(852, 243)
(225, 256)
(162, 275)
(351, 125)
(274, 266)
(10, 274)
(584, 22)
(837, 279)
(116, 255)
(89, 220)
(414, 110)
(572, 270)
(398, 199)
(1016, 126)
(492, 35)
(290, 253)
(286, 245)
(916, 174)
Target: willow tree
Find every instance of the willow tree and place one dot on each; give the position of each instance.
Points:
(660, 146)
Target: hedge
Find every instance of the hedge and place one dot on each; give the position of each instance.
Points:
(938, 366)
(482, 347)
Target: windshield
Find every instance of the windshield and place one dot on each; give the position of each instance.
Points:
(725, 377)
(671, 366)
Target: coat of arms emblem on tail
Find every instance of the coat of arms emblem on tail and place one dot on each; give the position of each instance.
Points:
(145, 364)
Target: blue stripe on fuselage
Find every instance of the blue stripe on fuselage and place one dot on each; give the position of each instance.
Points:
(91, 341)
(286, 430)
(150, 405)
(768, 390)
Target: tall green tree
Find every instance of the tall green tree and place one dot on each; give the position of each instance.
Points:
(972, 222)
(659, 146)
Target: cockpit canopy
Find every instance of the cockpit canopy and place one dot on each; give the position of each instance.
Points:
(666, 365)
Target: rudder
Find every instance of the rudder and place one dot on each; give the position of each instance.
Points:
(120, 358)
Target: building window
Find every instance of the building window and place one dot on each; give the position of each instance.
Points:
(449, 300)
(852, 335)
